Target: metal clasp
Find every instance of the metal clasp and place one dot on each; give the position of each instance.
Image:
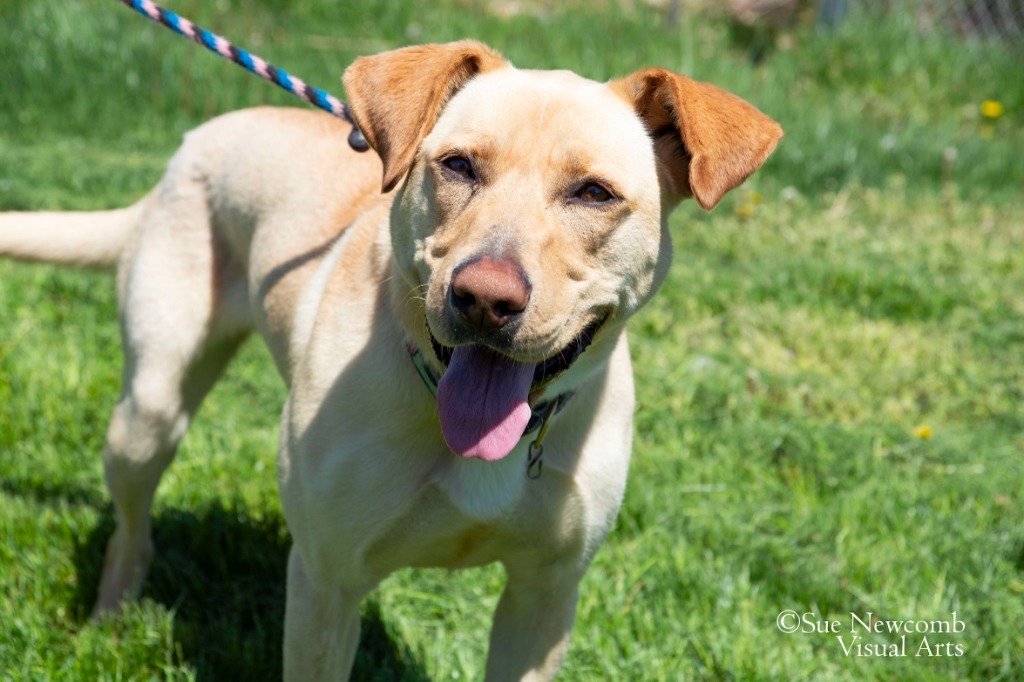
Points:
(534, 465)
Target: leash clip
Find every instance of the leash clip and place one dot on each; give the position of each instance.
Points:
(534, 465)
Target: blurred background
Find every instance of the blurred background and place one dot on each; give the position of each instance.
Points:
(830, 384)
(866, 89)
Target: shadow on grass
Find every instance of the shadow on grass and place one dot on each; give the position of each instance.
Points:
(223, 572)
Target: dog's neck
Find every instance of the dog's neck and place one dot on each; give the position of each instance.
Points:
(541, 412)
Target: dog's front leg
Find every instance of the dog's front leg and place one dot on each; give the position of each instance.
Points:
(321, 628)
(532, 623)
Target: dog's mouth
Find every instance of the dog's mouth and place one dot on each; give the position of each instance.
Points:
(546, 371)
(483, 396)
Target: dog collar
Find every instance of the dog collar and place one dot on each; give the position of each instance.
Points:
(540, 415)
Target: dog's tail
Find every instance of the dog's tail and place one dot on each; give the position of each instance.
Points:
(86, 238)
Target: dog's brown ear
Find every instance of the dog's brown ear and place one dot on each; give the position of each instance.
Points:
(706, 140)
(396, 96)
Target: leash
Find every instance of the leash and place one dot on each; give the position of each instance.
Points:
(252, 64)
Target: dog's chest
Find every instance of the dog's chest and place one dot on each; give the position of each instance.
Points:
(434, 532)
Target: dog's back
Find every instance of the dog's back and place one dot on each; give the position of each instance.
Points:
(289, 171)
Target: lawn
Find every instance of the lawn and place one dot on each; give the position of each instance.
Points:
(830, 384)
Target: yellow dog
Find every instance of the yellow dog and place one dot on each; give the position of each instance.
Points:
(527, 227)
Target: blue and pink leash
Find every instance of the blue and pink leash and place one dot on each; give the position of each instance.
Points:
(251, 63)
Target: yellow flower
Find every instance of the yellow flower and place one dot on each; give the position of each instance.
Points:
(746, 210)
(756, 198)
(924, 432)
(992, 109)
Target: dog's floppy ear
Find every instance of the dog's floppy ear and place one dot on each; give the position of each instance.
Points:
(396, 96)
(706, 140)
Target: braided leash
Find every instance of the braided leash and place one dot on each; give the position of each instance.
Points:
(251, 63)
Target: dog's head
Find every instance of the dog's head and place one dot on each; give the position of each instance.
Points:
(532, 221)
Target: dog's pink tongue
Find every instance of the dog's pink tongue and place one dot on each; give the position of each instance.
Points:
(482, 401)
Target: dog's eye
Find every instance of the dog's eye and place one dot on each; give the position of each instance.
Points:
(593, 193)
(461, 166)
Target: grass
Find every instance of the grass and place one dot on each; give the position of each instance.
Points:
(866, 283)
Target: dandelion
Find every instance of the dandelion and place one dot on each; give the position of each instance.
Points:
(923, 432)
(992, 109)
(745, 210)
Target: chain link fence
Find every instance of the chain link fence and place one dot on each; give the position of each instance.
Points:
(971, 19)
(1001, 20)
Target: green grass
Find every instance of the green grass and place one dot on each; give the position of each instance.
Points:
(857, 288)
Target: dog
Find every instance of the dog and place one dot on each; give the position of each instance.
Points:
(490, 252)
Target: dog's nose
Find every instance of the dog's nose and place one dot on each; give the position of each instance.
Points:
(489, 293)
